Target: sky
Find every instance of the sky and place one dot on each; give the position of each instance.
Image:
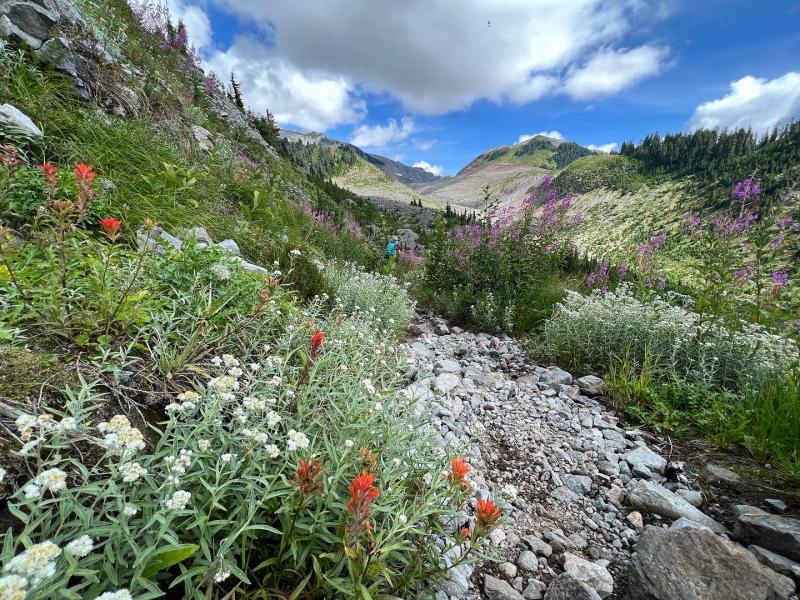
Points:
(434, 83)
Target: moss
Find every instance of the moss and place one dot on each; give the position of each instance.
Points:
(27, 375)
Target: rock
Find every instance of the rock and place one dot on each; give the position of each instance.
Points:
(199, 235)
(776, 562)
(497, 589)
(203, 138)
(566, 587)
(535, 590)
(643, 456)
(508, 569)
(539, 547)
(635, 519)
(27, 22)
(721, 473)
(13, 118)
(776, 504)
(691, 496)
(690, 564)
(564, 494)
(445, 382)
(650, 497)
(156, 240)
(580, 484)
(229, 246)
(684, 523)
(778, 533)
(554, 375)
(592, 385)
(251, 268)
(595, 576)
(448, 366)
(441, 329)
(528, 562)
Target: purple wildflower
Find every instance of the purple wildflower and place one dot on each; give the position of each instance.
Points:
(622, 271)
(785, 222)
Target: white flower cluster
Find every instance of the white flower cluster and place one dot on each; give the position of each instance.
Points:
(177, 465)
(54, 480)
(122, 594)
(80, 547)
(296, 439)
(119, 434)
(132, 471)
(12, 587)
(188, 402)
(178, 500)
(35, 564)
(221, 271)
(28, 425)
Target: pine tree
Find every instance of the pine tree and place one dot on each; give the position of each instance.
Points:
(236, 93)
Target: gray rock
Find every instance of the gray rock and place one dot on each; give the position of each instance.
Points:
(528, 562)
(508, 569)
(448, 366)
(251, 268)
(539, 547)
(690, 564)
(564, 494)
(535, 590)
(650, 497)
(229, 246)
(157, 240)
(554, 375)
(441, 329)
(203, 138)
(497, 589)
(778, 533)
(776, 504)
(721, 473)
(579, 484)
(27, 22)
(591, 385)
(643, 456)
(595, 576)
(445, 382)
(199, 235)
(684, 523)
(691, 496)
(13, 118)
(566, 587)
(776, 562)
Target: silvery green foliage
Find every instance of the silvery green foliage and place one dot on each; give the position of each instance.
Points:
(381, 296)
(596, 330)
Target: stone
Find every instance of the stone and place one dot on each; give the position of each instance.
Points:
(448, 366)
(635, 519)
(650, 497)
(441, 329)
(592, 385)
(721, 473)
(534, 590)
(776, 562)
(528, 562)
(580, 484)
(27, 22)
(251, 268)
(446, 382)
(497, 589)
(540, 547)
(564, 494)
(203, 138)
(595, 576)
(776, 504)
(566, 587)
(508, 569)
(12, 117)
(690, 564)
(199, 235)
(691, 496)
(229, 246)
(643, 456)
(778, 533)
(554, 375)
(684, 523)
(156, 240)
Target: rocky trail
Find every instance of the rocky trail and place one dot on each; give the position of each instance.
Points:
(591, 509)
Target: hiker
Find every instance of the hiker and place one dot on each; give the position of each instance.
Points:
(390, 249)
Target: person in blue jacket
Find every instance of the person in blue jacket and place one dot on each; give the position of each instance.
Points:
(390, 249)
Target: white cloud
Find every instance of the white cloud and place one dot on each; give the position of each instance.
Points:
(426, 166)
(752, 102)
(379, 136)
(303, 98)
(435, 59)
(529, 136)
(603, 147)
(425, 145)
(609, 71)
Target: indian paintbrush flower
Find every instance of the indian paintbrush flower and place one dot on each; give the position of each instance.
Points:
(110, 227)
(307, 476)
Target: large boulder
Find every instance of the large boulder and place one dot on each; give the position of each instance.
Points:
(595, 576)
(778, 533)
(27, 22)
(554, 375)
(776, 562)
(591, 385)
(566, 587)
(650, 497)
(691, 564)
(642, 456)
(13, 118)
(497, 589)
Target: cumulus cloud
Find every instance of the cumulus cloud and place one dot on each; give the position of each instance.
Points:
(760, 104)
(609, 71)
(426, 166)
(304, 98)
(379, 136)
(529, 136)
(603, 147)
(435, 59)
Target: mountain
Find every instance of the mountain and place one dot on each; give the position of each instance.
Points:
(402, 172)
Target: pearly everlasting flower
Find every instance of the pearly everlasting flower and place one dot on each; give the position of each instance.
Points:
(35, 564)
(67, 424)
(32, 491)
(273, 418)
(254, 403)
(403, 519)
(132, 471)
(377, 407)
(189, 396)
(120, 434)
(28, 446)
(226, 458)
(203, 445)
(221, 271)
(294, 253)
(12, 587)
(122, 594)
(255, 367)
(130, 510)
(272, 450)
(178, 501)
(222, 575)
(80, 547)
(297, 439)
(216, 361)
(2, 474)
(235, 372)
(348, 443)
(54, 480)
(230, 360)
(367, 383)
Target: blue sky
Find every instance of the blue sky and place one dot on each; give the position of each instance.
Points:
(440, 81)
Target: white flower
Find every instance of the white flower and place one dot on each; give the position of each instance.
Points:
(235, 372)
(216, 361)
(189, 395)
(226, 458)
(230, 360)
(36, 563)
(32, 491)
(80, 547)
(273, 418)
(403, 519)
(224, 383)
(178, 501)
(221, 271)
(295, 253)
(132, 471)
(367, 383)
(12, 587)
(377, 407)
(297, 439)
(2, 474)
(120, 434)
(130, 510)
(67, 424)
(348, 443)
(396, 462)
(222, 575)
(203, 445)
(272, 450)
(255, 367)
(122, 594)
(28, 446)
(343, 367)
(54, 480)
(254, 403)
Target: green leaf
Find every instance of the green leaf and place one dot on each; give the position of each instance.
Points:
(299, 589)
(172, 555)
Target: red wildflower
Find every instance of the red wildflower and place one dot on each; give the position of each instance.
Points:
(316, 343)
(487, 514)
(84, 173)
(458, 470)
(307, 475)
(50, 173)
(464, 533)
(362, 494)
(110, 226)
